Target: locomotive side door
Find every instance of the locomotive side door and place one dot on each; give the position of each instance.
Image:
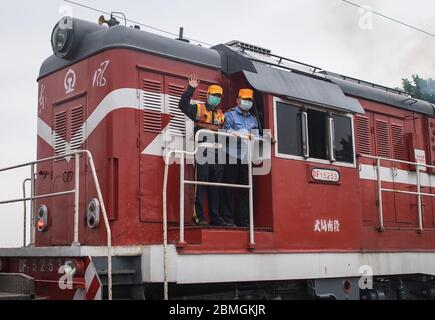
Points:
(162, 125)
(382, 134)
(152, 123)
(68, 120)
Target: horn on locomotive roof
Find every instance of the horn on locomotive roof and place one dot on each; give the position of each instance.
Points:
(113, 21)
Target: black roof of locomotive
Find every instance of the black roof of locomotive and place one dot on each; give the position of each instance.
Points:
(94, 39)
(373, 92)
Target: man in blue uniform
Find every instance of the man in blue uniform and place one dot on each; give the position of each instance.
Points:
(241, 122)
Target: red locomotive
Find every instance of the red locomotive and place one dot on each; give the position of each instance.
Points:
(345, 212)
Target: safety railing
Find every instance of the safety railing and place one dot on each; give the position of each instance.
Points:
(76, 191)
(418, 193)
(25, 213)
(183, 154)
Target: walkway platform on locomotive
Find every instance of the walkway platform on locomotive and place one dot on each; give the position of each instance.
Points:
(199, 239)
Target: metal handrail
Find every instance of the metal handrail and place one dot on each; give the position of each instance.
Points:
(25, 213)
(395, 160)
(50, 195)
(418, 193)
(236, 186)
(76, 191)
(183, 182)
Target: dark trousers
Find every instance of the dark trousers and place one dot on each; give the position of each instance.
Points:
(208, 173)
(236, 174)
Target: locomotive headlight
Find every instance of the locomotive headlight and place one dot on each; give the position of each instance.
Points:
(59, 40)
(62, 37)
(93, 214)
(42, 219)
(68, 35)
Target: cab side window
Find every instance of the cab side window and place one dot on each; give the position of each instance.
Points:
(318, 140)
(314, 134)
(343, 139)
(289, 129)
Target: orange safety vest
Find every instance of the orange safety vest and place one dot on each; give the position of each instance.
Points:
(204, 118)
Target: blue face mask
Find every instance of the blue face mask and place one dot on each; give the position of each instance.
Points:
(246, 105)
(214, 101)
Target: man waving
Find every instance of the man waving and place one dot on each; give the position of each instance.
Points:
(206, 116)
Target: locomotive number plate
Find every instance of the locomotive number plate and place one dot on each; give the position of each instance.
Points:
(325, 175)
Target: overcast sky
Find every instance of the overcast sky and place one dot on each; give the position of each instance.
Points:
(327, 33)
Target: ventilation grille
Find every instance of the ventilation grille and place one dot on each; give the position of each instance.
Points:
(363, 135)
(202, 95)
(398, 139)
(153, 106)
(77, 119)
(177, 124)
(60, 126)
(382, 139)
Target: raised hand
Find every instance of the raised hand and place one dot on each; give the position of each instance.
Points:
(194, 81)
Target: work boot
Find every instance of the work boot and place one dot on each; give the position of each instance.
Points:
(200, 222)
(222, 224)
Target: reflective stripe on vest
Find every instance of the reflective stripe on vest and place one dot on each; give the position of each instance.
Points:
(204, 118)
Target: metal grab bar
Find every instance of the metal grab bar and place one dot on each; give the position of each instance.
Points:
(76, 191)
(183, 182)
(418, 193)
(25, 213)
